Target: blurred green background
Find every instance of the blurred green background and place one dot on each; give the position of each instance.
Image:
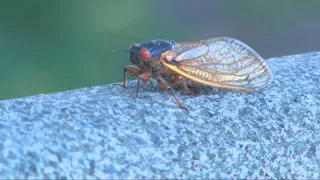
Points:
(56, 45)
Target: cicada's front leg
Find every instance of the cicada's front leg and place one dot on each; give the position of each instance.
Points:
(134, 71)
(165, 86)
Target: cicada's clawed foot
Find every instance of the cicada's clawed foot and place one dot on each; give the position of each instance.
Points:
(119, 85)
(134, 97)
(184, 108)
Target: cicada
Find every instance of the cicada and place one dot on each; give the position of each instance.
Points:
(219, 62)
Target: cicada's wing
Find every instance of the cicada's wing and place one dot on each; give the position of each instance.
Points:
(221, 62)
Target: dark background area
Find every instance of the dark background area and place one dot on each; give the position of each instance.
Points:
(57, 45)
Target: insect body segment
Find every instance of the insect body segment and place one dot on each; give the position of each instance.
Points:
(218, 62)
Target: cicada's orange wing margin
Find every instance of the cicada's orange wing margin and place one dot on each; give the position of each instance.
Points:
(221, 62)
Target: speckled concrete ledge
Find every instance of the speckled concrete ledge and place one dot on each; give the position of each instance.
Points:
(104, 132)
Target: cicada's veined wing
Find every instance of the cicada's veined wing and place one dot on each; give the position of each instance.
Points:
(221, 62)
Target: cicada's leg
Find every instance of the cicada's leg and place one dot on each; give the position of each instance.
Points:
(151, 83)
(134, 71)
(178, 85)
(185, 85)
(138, 86)
(167, 87)
(145, 77)
(175, 79)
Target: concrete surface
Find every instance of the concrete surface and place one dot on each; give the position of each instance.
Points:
(104, 132)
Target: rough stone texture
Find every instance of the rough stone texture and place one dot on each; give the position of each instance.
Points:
(103, 132)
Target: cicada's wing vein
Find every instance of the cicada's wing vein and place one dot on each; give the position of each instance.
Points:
(222, 62)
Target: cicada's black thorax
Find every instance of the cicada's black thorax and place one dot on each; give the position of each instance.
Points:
(157, 47)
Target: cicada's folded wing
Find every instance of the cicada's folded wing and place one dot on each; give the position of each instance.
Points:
(221, 62)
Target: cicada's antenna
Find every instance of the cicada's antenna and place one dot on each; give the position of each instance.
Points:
(124, 50)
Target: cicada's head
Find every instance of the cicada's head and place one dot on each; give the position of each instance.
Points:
(150, 50)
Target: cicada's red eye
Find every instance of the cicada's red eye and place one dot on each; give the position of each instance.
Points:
(144, 54)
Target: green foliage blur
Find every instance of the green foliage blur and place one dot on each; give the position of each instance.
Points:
(56, 45)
